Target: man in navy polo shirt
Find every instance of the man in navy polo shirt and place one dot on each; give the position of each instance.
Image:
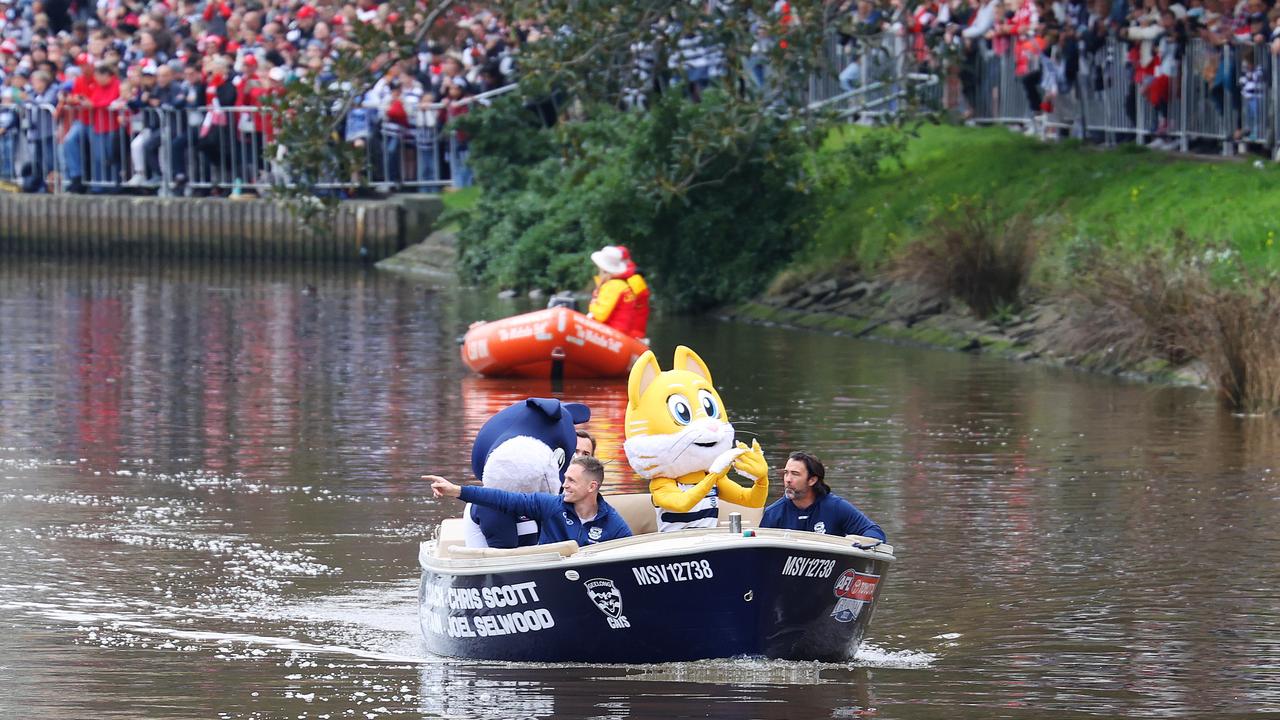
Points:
(579, 513)
(808, 504)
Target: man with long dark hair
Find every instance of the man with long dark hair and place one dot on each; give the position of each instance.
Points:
(808, 504)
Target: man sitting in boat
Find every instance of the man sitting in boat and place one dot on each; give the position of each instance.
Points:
(579, 513)
(586, 444)
(807, 503)
(615, 301)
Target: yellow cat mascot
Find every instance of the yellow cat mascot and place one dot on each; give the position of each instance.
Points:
(678, 437)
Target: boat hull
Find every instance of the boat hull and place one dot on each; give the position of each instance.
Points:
(527, 345)
(767, 599)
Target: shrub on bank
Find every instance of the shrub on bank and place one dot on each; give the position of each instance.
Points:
(709, 220)
(1198, 303)
(973, 256)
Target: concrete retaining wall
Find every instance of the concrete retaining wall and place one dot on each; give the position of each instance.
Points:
(191, 228)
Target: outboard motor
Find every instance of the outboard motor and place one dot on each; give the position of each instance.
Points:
(566, 299)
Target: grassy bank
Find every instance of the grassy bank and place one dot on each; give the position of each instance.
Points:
(1083, 197)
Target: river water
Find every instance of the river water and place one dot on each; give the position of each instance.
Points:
(209, 508)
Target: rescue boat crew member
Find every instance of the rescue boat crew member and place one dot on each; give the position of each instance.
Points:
(636, 281)
(613, 302)
(579, 513)
(808, 504)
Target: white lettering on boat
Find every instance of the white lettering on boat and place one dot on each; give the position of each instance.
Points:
(508, 595)
(477, 349)
(459, 627)
(464, 598)
(597, 338)
(673, 572)
(522, 331)
(438, 601)
(798, 566)
(511, 623)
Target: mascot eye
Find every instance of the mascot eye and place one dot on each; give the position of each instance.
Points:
(709, 404)
(680, 409)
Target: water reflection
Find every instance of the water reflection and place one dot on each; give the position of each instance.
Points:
(226, 459)
(482, 397)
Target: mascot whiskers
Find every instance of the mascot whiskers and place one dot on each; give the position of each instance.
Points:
(680, 440)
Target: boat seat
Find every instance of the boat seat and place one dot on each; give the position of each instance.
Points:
(452, 532)
(750, 516)
(564, 548)
(637, 509)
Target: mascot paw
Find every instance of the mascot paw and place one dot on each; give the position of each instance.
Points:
(751, 463)
(722, 462)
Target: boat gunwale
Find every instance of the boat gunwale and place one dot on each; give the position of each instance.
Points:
(603, 553)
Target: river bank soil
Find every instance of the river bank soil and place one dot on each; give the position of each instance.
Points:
(1044, 330)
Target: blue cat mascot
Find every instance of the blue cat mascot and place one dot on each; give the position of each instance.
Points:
(524, 448)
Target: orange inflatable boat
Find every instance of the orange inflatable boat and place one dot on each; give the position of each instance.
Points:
(552, 341)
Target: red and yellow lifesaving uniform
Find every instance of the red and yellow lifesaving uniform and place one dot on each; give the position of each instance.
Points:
(640, 315)
(613, 303)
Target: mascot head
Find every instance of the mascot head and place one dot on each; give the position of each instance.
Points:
(527, 446)
(676, 423)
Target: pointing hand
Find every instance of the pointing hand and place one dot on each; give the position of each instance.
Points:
(441, 487)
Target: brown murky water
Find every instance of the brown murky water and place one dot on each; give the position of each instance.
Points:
(209, 509)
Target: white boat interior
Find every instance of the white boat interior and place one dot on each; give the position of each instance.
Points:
(448, 550)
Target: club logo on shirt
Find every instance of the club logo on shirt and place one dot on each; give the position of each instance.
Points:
(854, 591)
(595, 533)
(608, 598)
(819, 527)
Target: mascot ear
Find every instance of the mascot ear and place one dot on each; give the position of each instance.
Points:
(687, 359)
(643, 373)
(578, 412)
(549, 408)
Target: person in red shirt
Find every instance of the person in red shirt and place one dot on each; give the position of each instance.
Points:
(104, 108)
(395, 125)
(256, 123)
(73, 110)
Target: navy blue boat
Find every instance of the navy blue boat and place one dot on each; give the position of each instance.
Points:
(653, 597)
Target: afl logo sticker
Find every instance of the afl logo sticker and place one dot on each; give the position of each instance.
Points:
(854, 591)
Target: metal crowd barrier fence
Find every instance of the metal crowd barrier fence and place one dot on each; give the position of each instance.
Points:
(170, 150)
(1223, 94)
(869, 75)
(28, 144)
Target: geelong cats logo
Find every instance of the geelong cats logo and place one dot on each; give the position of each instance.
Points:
(608, 598)
(854, 592)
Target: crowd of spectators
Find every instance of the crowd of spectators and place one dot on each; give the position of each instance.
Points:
(1052, 46)
(95, 97)
(90, 94)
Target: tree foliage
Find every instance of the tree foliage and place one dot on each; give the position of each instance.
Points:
(720, 239)
(614, 136)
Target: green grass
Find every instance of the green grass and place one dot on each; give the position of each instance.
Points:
(1126, 198)
(463, 199)
(456, 203)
